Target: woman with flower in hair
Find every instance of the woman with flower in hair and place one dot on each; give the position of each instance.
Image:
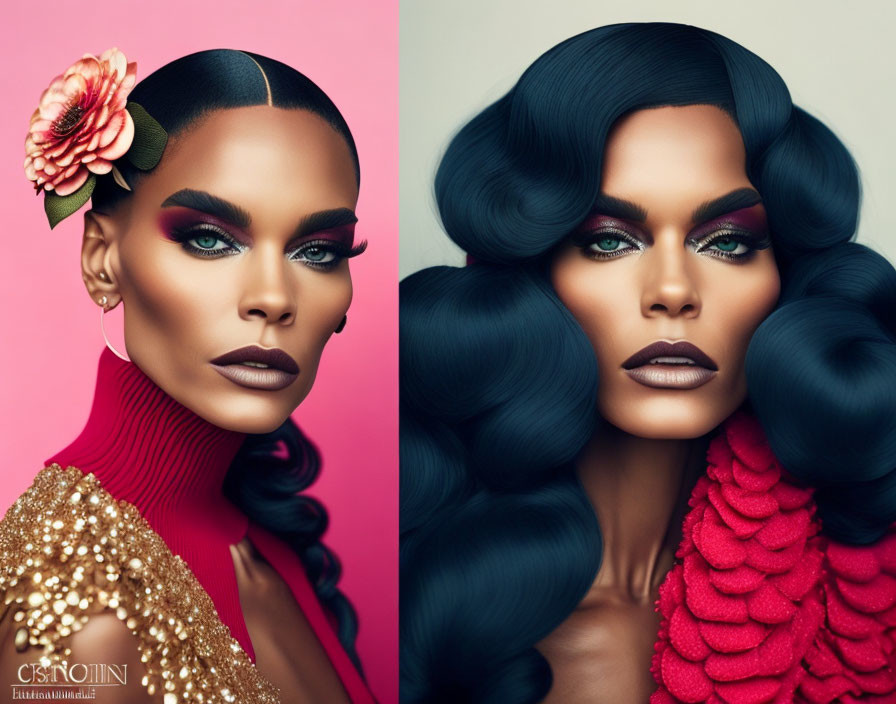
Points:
(171, 536)
(648, 433)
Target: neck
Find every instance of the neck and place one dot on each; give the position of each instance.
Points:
(149, 450)
(639, 488)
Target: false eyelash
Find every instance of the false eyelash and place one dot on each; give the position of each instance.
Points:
(339, 249)
(752, 241)
(584, 240)
(184, 235)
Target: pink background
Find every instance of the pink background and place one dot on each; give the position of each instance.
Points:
(51, 337)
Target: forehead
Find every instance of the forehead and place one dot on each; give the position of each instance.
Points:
(674, 154)
(266, 159)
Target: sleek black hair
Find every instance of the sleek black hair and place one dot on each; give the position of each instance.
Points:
(499, 542)
(180, 93)
(261, 481)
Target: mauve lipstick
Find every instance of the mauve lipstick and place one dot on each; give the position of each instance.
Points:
(668, 365)
(280, 372)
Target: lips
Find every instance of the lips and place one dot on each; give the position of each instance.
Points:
(275, 358)
(668, 365)
(240, 367)
(670, 349)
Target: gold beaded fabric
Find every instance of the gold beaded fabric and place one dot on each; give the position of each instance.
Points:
(69, 549)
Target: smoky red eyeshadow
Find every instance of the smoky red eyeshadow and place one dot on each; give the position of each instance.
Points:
(175, 220)
(343, 234)
(752, 219)
(596, 220)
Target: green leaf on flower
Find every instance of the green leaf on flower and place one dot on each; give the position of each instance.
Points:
(59, 207)
(150, 138)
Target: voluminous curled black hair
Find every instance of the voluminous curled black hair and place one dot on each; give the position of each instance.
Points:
(499, 543)
(262, 480)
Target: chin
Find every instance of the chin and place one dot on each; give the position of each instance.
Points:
(253, 412)
(254, 425)
(665, 421)
(244, 415)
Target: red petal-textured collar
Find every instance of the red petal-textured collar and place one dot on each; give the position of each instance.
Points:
(760, 607)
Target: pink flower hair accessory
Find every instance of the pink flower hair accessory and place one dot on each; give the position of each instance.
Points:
(83, 124)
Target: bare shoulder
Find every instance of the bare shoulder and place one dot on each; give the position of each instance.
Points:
(103, 653)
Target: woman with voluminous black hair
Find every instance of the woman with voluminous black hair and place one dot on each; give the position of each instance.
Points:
(648, 433)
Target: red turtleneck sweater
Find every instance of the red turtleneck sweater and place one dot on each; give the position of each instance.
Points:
(151, 451)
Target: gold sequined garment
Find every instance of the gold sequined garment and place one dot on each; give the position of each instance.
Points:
(69, 549)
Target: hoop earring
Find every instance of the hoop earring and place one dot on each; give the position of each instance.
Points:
(103, 328)
(341, 326)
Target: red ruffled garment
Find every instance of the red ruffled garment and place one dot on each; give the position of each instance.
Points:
(760, 607)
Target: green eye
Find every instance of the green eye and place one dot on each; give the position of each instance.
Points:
(608, 244)
(205, 241)
(315, 254)
(726, 245)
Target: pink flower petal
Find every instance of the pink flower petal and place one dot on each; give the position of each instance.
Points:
(87, 68)
(72, 184)
(104, 130)
(118, 63)
(130, 77)
(74, 85)
(60, 147)
(122, 141)
(39, 130)
(100, 166)
(102, 116)
(111, 130)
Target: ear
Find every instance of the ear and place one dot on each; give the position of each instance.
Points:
(98, 250)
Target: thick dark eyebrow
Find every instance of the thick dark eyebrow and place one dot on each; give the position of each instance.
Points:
(212, 205)
(324, 220)
(711, 209)
(618, 208)
(230, 212)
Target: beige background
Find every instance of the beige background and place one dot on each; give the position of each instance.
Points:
(837, 58)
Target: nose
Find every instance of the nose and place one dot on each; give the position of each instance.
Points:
(269, 291)
(670, 287)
